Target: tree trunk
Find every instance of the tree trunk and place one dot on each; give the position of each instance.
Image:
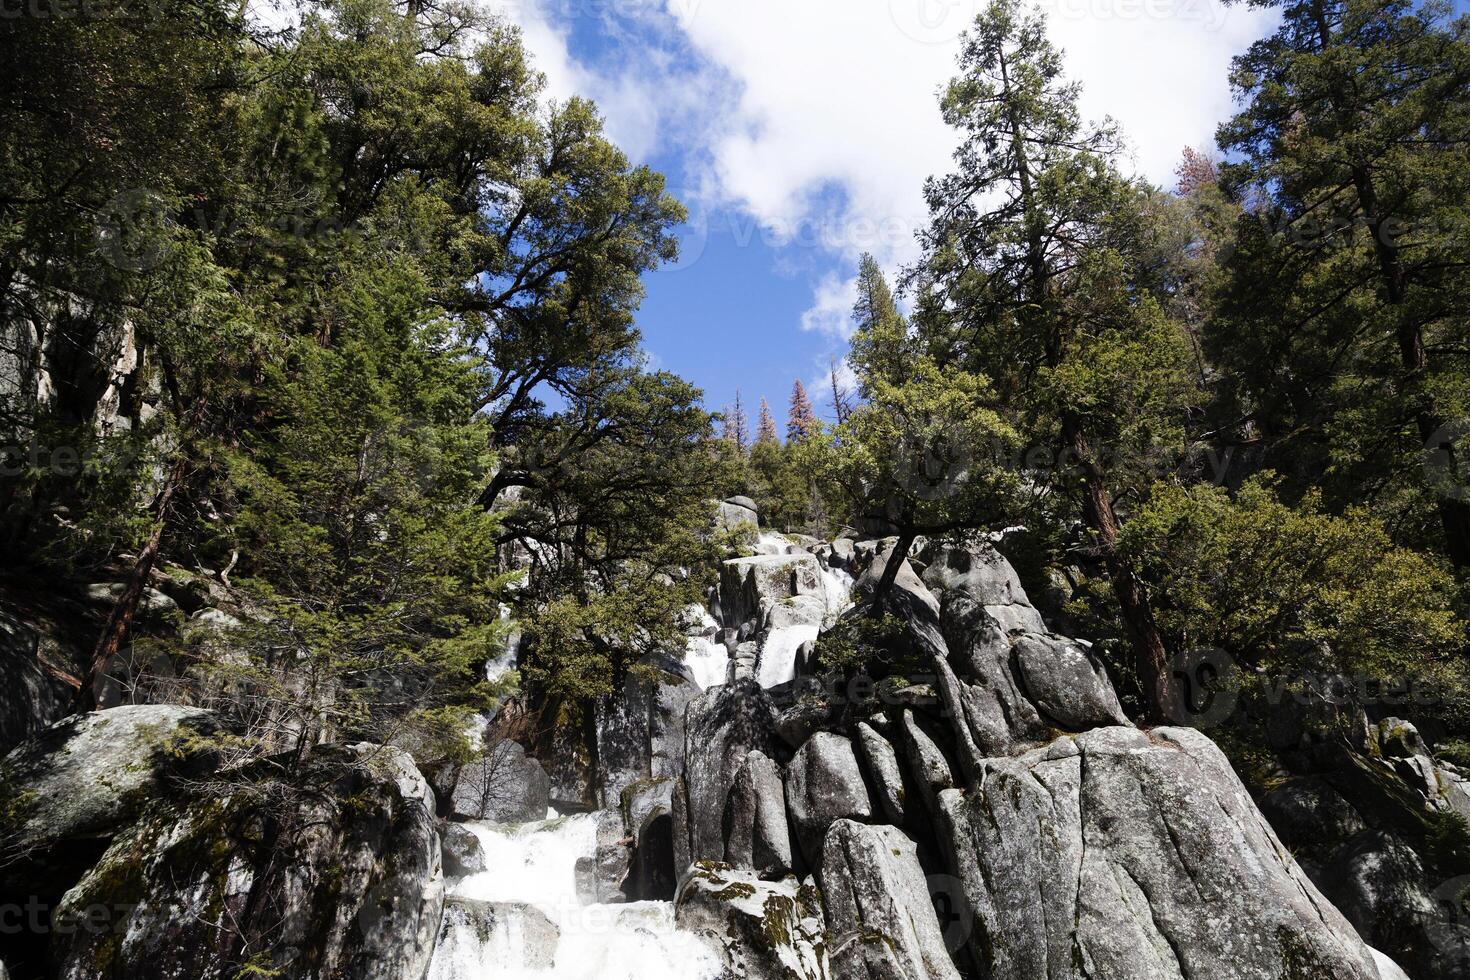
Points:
(892, 564)
(125, 609)
(1150, 654)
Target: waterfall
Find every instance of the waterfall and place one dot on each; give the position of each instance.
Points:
(778, 654)
(707, 658)
(523, 920)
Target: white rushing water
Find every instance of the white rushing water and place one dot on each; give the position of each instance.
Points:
(778, 654)
(532, 879)
(704, 654)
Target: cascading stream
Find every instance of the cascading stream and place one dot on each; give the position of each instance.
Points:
(522, 919)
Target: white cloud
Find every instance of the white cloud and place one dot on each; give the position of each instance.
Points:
(820, 119)
(831, 310)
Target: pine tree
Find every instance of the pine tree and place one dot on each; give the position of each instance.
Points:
(737, 426)
(1037, 276)
(880, 340)
(1195, 170)
(801, 420)
(841, 397)
(766, 432)
(1351, 318)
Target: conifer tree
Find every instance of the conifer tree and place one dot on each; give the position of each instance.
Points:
(737, 426)
(766, 432)
(1346, 323)
(801, 421)
(1037, 276)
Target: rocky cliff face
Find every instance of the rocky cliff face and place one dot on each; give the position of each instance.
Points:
(986, 811)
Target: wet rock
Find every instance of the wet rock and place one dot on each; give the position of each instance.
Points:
(463, 853)
(648, 813)
(879, 912)
(823, 784)
(479, 932)
(766, 930)
(602, 878)
(756, 833)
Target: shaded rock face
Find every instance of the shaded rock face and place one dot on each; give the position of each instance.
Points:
(1359, 820)
(824, 784)
(756, 833)
(81, 781)
(653, 876)
(504, 786)
(34, 657)
(343, 878)
(766, 930)
(878, 907)
(1121, 855)
(722, 726)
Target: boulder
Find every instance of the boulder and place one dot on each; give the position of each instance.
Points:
(879, 913)
(481, 932)
(979, 573)
(736, 512)
(1130, 856)
(722, 726)
(463, 853)
(1066, 683)
(745, 582)
(883, 773)
(341, 876)
(823, 784)
(756, 833)
(767, 930)
(83, 780)
(1378, 882)
(601, 878)
(503, 785)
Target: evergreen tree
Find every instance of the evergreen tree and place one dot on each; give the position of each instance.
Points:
(1346, 321)
(801, 420)
(736, 425)
(766, 433)
(1039, 275)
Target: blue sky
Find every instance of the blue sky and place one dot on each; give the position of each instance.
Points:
(799, 133)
